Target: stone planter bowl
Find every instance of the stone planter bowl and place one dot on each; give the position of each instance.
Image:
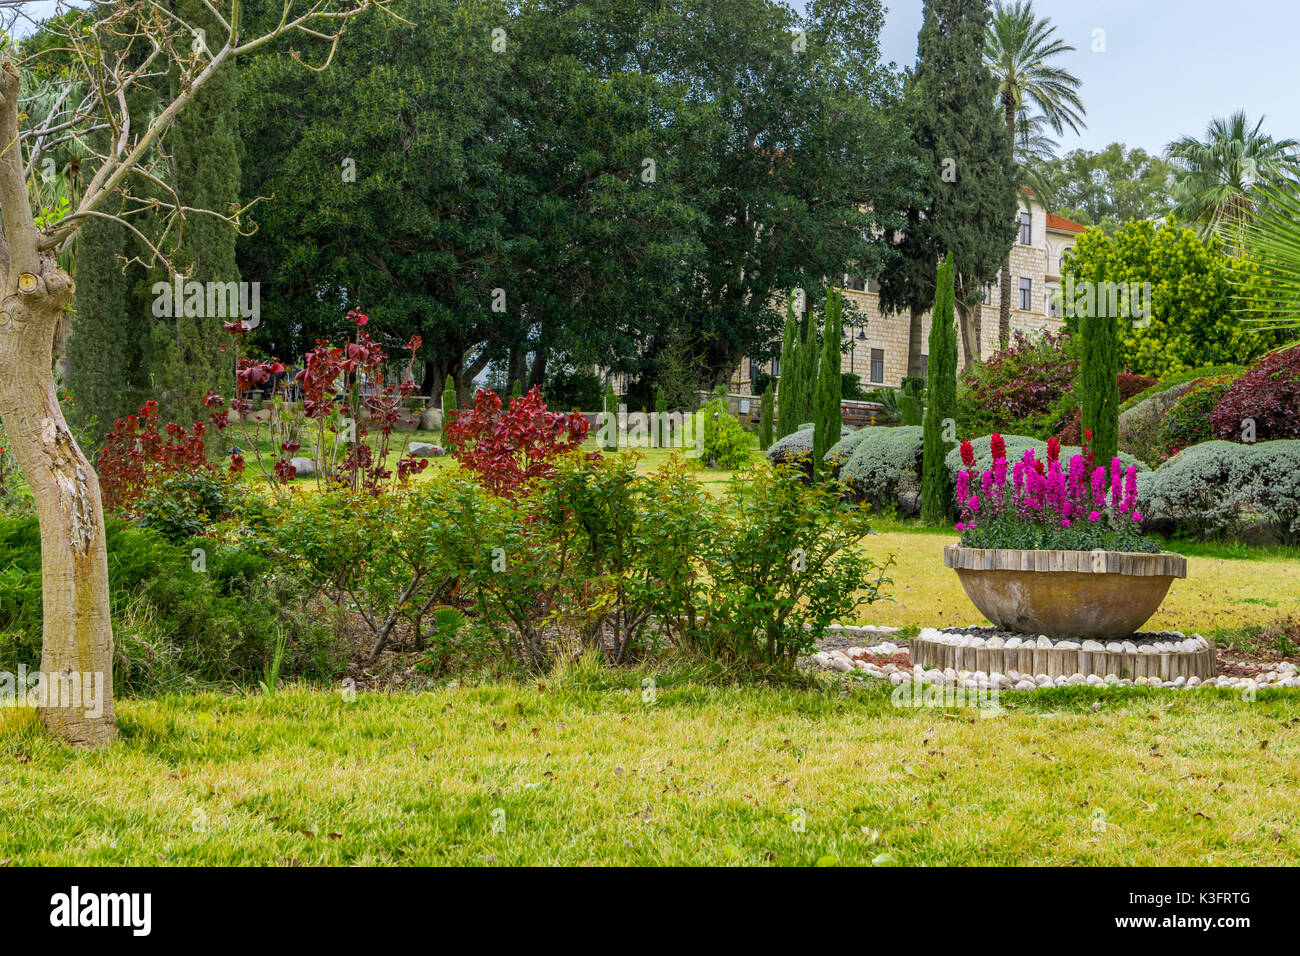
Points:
(1065, 594)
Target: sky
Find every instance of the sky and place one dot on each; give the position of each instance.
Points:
(1167, 67)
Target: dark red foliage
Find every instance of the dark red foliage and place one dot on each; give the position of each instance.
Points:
(511, 449)
(136, 453)
(1026, 379)
(1129, 385)
(1269, 394)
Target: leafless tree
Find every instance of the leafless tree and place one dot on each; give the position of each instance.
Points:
(109, 49)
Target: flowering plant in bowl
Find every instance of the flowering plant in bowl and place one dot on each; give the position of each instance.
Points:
(1036, 505)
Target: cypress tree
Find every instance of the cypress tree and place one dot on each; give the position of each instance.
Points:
(611, 418)
(207, 152)
(108, 341)
(827, 416)
(809, 359)
(765, 420)
(936, 485)
(787, 381)
(1099, 379)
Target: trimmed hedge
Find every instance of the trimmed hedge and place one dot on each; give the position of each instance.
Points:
(838, 454)
(1220, 488)
(885, 464)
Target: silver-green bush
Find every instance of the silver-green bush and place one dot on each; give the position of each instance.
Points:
(885, 464)
(1220, 488)
(839, 453)
(795, 448)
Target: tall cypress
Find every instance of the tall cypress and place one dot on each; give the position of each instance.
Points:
(207, 153)
(936, 484)
(788, 381)
(827, 416)
(1099, 378)
(968, 201)
(809, 359)
(108, 338)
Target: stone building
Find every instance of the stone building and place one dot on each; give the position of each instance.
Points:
(877, 344)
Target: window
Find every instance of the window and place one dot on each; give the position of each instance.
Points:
(1060, 263)
(854, 283)
(1026, 230)
(1054, 302)
(776, 367)
(873, 285)
(1026, 294)
(925, 364)
(877, 365)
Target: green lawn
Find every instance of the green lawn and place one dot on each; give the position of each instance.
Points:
(574, 774)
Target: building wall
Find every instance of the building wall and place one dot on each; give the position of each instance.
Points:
(1038, 262)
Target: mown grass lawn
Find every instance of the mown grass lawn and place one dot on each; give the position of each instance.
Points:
(566, 775)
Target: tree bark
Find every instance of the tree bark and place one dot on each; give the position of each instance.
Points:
(77, 633)
(915, 345)
(1004, 307)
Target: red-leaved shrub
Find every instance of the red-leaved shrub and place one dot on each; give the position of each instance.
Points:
(1129, 385)
(508, 450)
(1017, 389)
(1268, 394)
(137, 453)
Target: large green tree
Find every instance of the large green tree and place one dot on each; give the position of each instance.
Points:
(1108, 187)
(1019, 48)
(968, 157)
(1187, 312)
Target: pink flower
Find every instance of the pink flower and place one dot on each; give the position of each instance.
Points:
(1137, 516)
(1065, 522)
(961, 526)
(1094, 516)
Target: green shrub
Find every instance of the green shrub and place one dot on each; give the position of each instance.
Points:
(885, 464)
(725, 442)
(1188, 422)
(1182, 377)
(783, 562)
(1219, 488)
(201, 611)
(181, 506)
(794, 449)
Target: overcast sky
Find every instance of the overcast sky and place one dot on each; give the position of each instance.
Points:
(1168, 65)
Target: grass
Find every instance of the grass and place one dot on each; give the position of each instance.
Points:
(570, 774)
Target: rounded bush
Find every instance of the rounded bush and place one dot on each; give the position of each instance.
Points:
(1218, 488)
(885, 463)
(839, 453)
(794, 449)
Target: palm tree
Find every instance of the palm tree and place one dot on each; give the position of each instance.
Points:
(1018, 48)
(1268, 275)
(1216, 182)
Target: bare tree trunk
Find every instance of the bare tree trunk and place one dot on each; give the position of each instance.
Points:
(914, 344)
(77, 634)
(1004, 307)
